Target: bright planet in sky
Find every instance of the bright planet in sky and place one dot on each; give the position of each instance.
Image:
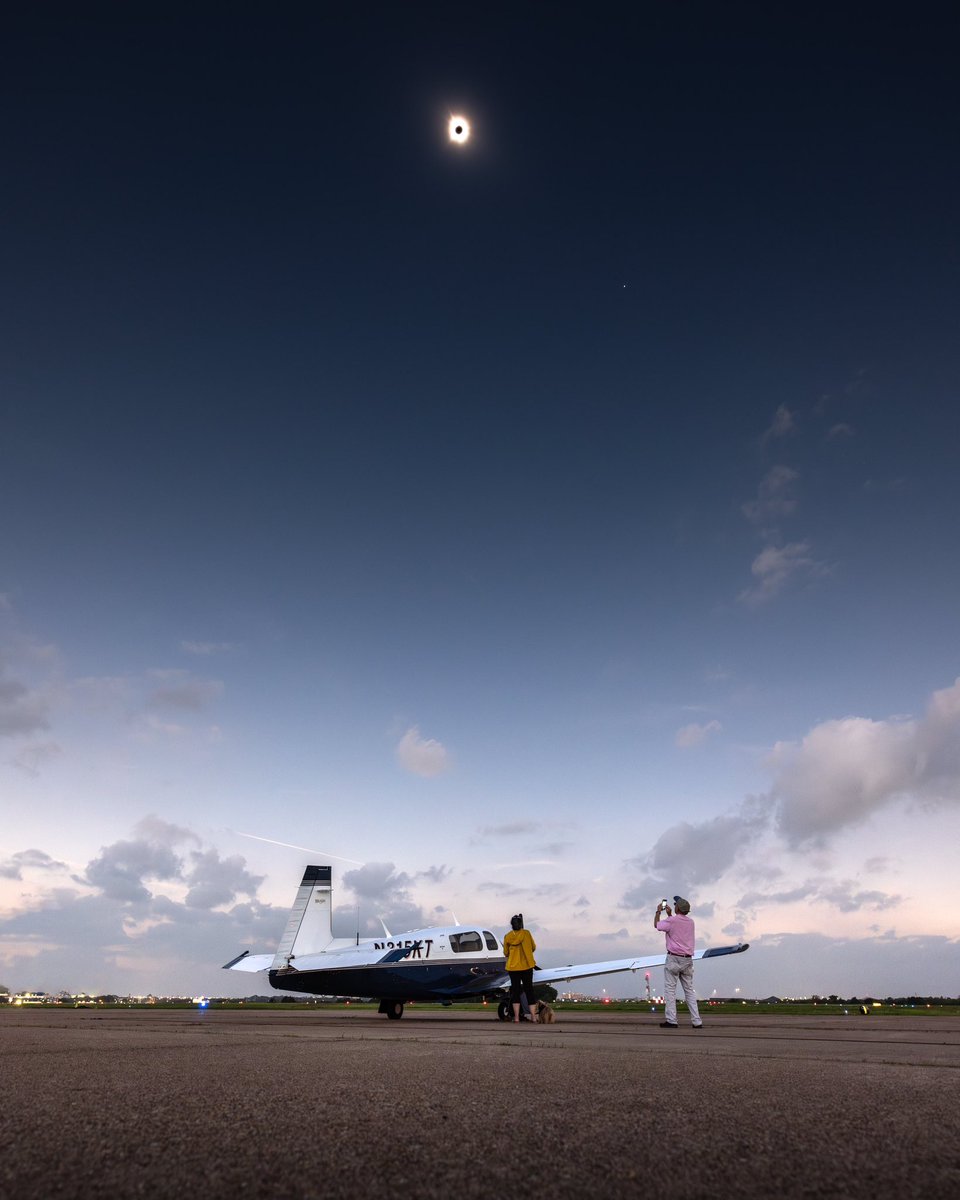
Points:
(459, 129)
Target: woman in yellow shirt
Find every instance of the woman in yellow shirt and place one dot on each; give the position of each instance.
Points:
(519, 948)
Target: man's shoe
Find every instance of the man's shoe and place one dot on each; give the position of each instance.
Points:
(698, 1026)
(667, 1025)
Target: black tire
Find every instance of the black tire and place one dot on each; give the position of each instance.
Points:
(395, 1009)
(505, 1010)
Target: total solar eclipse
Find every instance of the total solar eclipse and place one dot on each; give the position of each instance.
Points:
(459, 129)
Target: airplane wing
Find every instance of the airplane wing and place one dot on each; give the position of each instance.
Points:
(586, 970)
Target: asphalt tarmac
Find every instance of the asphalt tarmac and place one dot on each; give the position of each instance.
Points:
(450, 1104)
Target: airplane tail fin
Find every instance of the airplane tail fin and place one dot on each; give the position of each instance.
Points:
(310, 924)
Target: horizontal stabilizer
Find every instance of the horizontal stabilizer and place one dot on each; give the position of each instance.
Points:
(249, 962)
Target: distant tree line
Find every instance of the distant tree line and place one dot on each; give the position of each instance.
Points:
(901, 1000)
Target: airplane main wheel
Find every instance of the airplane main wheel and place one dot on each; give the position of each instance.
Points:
(395, 1009)
(505, 1010)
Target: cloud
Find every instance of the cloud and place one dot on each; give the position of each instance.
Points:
(395, 910)
(31, 758)
(501, 888)
(837, 776)
(179, 692)
(689, 855)
(753, 900)
(155, 829)
(556, 849)
(127, 937)
(36, 860)
(216, 881)
(377, 881)
(434, 874)
(21, 710)
(421, 756)
(848, 896)
(845, 770)
(803, 964)
(840, 430)
(774, 567)
(701, 853)
(618, 935)
(783, 424)
(879, 864)
(88, 942)
(120, 870)
(693, 735)
(775, 497)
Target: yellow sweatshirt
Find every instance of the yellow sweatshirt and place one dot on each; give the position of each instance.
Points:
(519, 946)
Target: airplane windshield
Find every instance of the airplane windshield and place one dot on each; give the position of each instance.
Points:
(492, 943)
(462, 943)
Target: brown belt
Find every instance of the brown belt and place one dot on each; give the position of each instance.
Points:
(680, 955)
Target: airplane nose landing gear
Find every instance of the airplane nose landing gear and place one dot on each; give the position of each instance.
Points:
(505, 1010)
(393, 1009)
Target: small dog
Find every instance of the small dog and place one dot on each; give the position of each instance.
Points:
(545, 1014)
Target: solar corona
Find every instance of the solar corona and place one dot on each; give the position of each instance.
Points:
(458, 130)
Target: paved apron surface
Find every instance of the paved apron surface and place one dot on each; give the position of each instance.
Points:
(452, 1104)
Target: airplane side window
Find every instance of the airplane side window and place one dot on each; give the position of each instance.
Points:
(465, 943)
(492, 943)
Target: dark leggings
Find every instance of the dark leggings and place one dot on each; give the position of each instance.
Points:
(521, 981)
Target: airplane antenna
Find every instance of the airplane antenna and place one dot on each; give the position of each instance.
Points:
(358, 924)
(454, 915)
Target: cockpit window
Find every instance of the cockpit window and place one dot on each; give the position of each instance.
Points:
(463, 943)
(492, 943)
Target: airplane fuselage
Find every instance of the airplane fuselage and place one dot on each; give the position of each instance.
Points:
(448, 962)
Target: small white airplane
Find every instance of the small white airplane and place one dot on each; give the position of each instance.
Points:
(441, 964)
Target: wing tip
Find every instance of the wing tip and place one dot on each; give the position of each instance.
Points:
(716, 951)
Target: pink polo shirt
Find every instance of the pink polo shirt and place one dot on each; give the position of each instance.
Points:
(680, 933)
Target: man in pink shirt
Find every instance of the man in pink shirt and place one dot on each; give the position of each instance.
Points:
(679, 963)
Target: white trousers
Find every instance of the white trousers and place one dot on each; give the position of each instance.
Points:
(673, 969)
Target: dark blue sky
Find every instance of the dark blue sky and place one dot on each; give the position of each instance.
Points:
(604, 452)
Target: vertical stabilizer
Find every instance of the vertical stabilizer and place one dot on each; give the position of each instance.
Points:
(310, 924)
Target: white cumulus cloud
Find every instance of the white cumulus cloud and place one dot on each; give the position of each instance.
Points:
(845, 770)
(421, 756)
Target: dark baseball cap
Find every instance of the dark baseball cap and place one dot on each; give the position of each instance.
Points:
(680, 905)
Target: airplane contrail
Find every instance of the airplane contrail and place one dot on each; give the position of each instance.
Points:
(307, 849)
